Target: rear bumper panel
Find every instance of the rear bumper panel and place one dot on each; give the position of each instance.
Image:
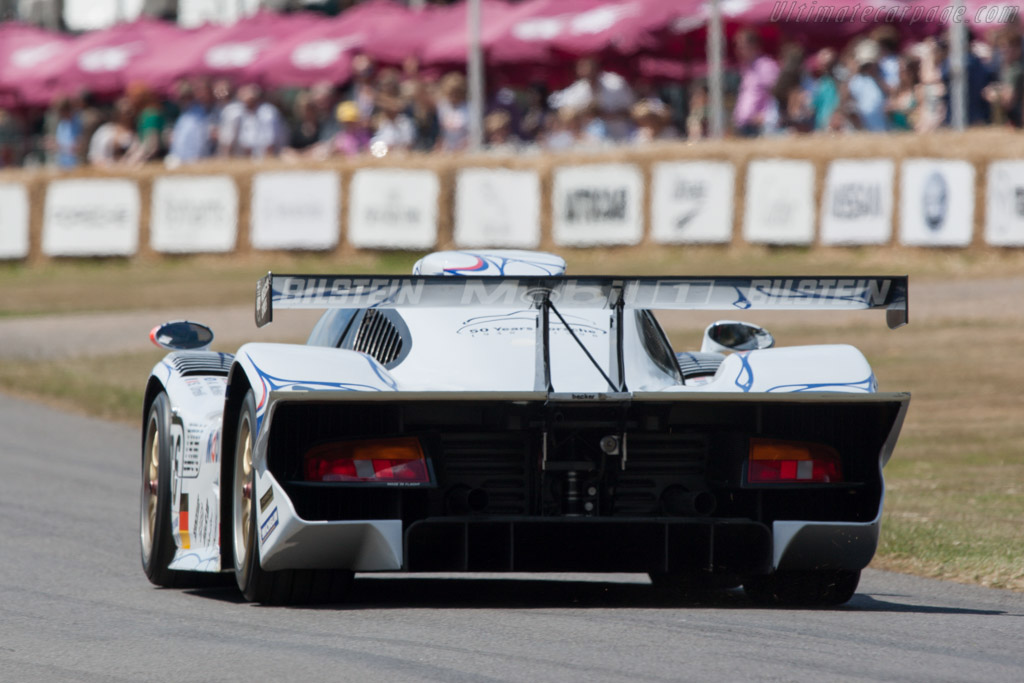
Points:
(824, 545)
(588, 545)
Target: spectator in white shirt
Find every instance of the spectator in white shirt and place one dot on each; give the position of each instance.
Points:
(453, 113)
(250, 126)
(394, 129)
(606, 91)
(115, 142)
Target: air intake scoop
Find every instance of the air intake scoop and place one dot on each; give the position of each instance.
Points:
(493, 262)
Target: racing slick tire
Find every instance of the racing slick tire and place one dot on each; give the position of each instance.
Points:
(156, 544)
(286, 586)
(803, 588)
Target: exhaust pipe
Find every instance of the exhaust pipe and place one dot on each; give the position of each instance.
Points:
(463, 500)
(677, 500)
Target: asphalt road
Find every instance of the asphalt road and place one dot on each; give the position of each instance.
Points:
(75, 606)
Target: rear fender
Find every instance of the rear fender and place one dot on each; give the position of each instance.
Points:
(284, 368)
(795, 369)
(194, 382)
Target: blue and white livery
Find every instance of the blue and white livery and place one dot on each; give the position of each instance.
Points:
(491, 413)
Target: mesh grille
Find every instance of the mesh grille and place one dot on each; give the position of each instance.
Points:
(201, 363)
(378, 337)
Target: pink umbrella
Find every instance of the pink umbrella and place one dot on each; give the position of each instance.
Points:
(94, 61)
(450, 43)
(23, 49)
(101, 61)
(821, 24)
(394, 39)
(540, 30)
(218, 51)
(322, 52)
(585, 27)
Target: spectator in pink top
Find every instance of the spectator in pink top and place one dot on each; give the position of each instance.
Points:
(754, 101)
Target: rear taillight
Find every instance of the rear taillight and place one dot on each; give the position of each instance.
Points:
(774, 461)
(398, 461)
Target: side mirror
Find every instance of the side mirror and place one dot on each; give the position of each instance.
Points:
(733, 335)
(182, 335)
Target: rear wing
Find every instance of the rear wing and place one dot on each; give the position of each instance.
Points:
(888, 293)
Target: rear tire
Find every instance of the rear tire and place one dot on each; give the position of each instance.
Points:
(286, 586)
(818, 588)
(155, 539)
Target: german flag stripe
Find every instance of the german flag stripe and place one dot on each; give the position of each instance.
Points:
(183, 522)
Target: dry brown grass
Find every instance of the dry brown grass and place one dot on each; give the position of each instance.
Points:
(69, 285)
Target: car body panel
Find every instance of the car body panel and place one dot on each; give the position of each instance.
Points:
(497, 353)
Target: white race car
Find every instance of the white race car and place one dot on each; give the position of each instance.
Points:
(491, 414)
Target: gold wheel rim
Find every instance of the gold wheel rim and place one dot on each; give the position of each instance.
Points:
(150, 487)
(243, 506)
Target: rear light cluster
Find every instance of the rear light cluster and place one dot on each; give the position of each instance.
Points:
(774, 461)
(399, 461)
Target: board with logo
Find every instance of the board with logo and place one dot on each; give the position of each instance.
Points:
(856, 205)
(597, 204)
(936, 203)
(780, 202)
(393, 209)
(692, 202)
(1004, 204)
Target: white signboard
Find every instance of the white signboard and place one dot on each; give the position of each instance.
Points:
(691, 201)
(597, 204)
(195, 13)
(13, 221)
(91, 217)
(194, 214)
(780, 202)
(393, 209)
(295, 210)
(856, 206)
(1004, 204)
(496, 207)
(936, 203)
(90, 15)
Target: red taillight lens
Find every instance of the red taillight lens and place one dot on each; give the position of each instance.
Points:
(378, 460)
(775, 461)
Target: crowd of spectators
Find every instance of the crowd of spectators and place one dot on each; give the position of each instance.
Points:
(874, 83)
